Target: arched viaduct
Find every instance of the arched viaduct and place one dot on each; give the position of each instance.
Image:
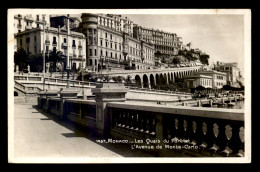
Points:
(151, 78)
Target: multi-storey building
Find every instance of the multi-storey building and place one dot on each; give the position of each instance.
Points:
(110, 42)
(61, 21)
(166, 43)
(29, 21)
(71, 44)
(232, 71)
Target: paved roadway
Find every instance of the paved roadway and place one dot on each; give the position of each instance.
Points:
(37, 134)
(41, 135)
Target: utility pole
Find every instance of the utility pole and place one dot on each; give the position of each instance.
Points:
(68, 51)
(43, 68)
(82, 77)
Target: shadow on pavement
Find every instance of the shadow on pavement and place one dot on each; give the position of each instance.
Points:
(81, 131)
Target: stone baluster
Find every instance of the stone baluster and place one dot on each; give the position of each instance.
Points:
(127, 120)
(215, 146)
(152, 126)
(228, 133)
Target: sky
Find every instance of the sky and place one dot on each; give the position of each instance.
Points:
(220, 36)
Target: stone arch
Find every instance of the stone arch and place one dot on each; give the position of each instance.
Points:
(145, 81)
(172, 77)
(169, 77)
(138, 80)
(165, 79)
(157, 78)
(161, 79)
(152, 81)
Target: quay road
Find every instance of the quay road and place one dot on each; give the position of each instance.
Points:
(39, 136)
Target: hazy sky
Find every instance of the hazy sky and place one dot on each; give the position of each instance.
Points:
(220, 36)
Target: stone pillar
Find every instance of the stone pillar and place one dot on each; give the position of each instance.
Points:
(47, 95)
(66, 93)
(17, 69)
(105, 93)
(28, 68)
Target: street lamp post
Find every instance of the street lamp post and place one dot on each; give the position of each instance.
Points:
(82, 77)
(43, 68)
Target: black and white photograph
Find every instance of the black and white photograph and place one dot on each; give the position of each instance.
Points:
(129, 85)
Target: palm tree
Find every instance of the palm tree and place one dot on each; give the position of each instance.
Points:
(21, 58)
(57, 57)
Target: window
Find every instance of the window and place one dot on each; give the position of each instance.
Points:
(111, 36)
(37, 17)
(73, 43)
(90, 52)
(106, 35)
(111, 46)
(95, 52)
(47, 48)
(65, 40)
(101, 42)
(111, 54)
(106, 44)
(101, 52)
(54, 49)
(106, 53)
(54, 40)
(35, 39)
(95, 31)
(38, 25)
(115, 46)
(90, 62)
(21, 42)
(28, 40)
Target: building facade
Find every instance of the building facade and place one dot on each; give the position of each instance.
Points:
(218, 78)
(71, 44)
(29, 21)
(110, 43)
(196, 80)
(62, 22)
(233, 73)
(166, 43)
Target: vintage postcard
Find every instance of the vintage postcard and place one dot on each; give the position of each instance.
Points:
(129, 86)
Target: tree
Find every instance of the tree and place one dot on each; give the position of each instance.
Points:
(36, 63)
(56, 57)
(21, 58)
(157, 54)
(204, 59)
(176, 60)
(163, 60)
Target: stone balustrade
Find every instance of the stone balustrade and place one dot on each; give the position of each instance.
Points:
(212, 131)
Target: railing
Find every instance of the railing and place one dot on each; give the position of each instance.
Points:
(82, 112)
(213, 132)
(159, 91)
(49, 80)
(193, 131)
(27, 88)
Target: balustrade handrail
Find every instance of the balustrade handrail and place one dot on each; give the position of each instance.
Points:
(217, 113)
(156, 90)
